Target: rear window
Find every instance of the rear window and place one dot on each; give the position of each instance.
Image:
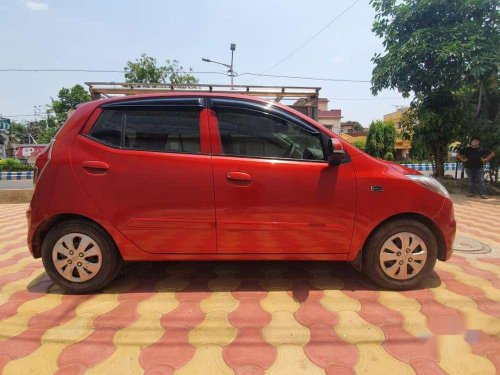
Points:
(176, 130)
(150, 129)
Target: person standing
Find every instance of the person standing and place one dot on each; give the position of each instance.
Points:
(473, 158)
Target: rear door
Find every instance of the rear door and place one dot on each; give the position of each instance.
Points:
(274, 191)
(146, 166)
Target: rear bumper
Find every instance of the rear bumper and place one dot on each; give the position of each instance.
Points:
(445, 220)
(31, 230)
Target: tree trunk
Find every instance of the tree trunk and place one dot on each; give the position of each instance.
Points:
(439, 170)
(479, 100)
(439, 153)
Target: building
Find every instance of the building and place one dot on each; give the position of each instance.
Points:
(402, 146)
(355, 136)
(4, 124)
(4, 127)
(330, 118)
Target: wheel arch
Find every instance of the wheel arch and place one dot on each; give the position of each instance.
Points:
(357, 263)
(49, 223)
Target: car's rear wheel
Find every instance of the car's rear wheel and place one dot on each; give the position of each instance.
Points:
(400, 254)
(80, 257)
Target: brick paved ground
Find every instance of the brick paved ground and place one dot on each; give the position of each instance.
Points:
(248, 318)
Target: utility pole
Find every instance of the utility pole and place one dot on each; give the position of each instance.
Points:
(230, 67)
(231, 71)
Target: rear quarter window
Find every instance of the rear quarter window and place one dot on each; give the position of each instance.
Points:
(108, 127)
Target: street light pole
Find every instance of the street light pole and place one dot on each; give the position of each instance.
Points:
(233, 48)
(230, 71)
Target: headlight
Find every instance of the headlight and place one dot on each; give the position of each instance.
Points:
(430, 183)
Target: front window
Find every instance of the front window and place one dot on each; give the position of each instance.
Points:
(257, 134)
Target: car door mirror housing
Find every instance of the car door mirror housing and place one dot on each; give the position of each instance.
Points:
(335, 152)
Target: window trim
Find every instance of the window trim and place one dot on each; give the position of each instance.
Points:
(323, 138)
(123, 108)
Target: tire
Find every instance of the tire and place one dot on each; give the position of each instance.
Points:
(96, 265)
(408, 269)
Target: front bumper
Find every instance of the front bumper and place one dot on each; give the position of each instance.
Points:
(445, 220)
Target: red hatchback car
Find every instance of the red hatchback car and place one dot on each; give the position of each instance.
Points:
(198, 176)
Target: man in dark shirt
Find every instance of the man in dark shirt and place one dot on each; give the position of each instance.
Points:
(473, 158)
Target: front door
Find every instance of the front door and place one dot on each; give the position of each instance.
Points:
(144, 166)
(274, 192)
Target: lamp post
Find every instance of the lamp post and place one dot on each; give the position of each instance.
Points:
(230, 71)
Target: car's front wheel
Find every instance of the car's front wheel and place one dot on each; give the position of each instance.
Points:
(80, 257)
(400, 254)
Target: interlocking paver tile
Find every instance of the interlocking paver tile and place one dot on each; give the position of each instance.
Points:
(253, 317)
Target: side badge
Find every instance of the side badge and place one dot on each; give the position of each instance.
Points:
(377, 188)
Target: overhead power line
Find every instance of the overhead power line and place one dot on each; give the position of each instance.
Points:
(310, 39)
(87, 71)
(368, 99)
(307, 78)
(10, 116)
(187, 72)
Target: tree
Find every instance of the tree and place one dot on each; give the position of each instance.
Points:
(146, 70)
(359, 144)
(486, 124)
(41, 131)
(68, 99)
(433, 48)
(18, 133)
(381, 139)
(390, 136)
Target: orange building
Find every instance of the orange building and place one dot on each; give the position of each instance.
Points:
(402, 146)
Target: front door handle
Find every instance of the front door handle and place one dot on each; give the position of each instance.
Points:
(95, 166)
(238, 176)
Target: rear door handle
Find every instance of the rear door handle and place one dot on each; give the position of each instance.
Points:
(238, 176)
(95, 166)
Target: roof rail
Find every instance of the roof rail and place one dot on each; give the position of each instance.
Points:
(98, 90)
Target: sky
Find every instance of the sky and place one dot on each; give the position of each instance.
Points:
(104, 35)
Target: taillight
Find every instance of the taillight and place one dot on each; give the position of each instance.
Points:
(42, 161)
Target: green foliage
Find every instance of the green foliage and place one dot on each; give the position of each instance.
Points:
(434, 45)
(13, 165)
(359, 144)
(375, 139)
(146, 70)
(419, 149)
(389, 156)
(390, 136)
(434, 122)
(18, 133)
(41, 131)
(68, 99)
(47, 135)
(440, 51)
(484, 124)
(381, 139)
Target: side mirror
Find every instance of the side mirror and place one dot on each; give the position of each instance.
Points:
(335, 152)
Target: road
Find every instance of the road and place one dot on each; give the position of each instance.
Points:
(279, 317)
(16, 184)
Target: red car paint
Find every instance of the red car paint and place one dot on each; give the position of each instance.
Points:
(166, 206)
